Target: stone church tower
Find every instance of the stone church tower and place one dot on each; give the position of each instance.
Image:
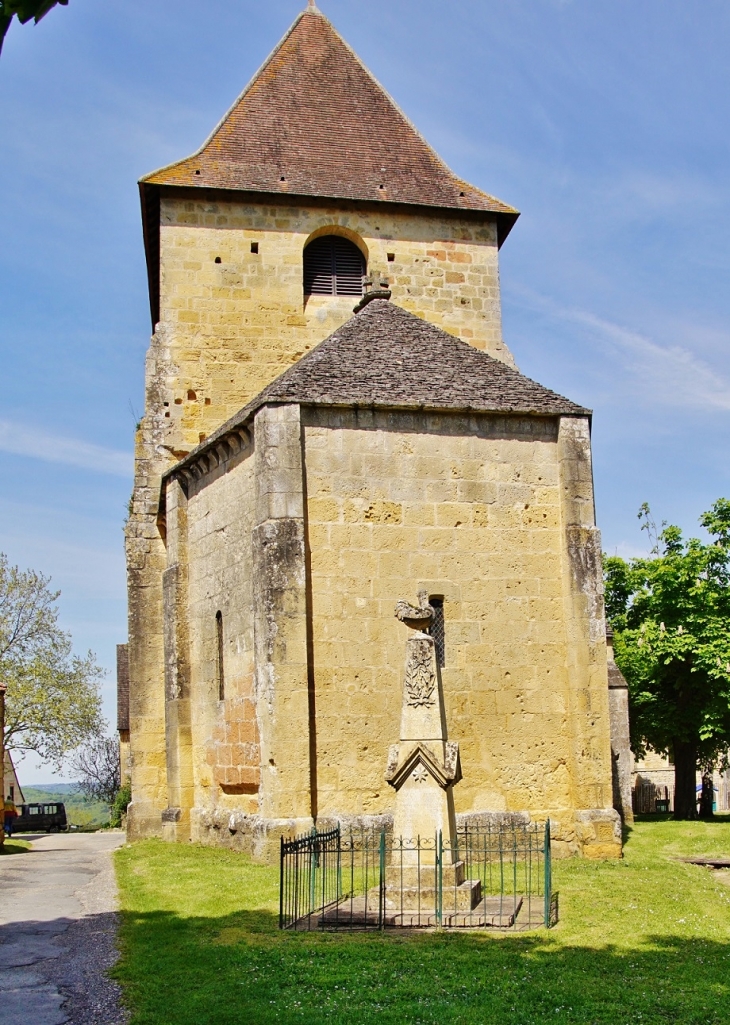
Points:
(299, 469)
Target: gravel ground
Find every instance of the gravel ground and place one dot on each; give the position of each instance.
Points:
(58, 926)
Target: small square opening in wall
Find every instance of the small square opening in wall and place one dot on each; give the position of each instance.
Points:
(254, 247)
(391, 257)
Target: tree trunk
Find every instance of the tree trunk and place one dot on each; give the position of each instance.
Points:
(708, 796)
(685, 776)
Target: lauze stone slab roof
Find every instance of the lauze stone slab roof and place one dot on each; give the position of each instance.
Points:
(385, 357)
(314, 122)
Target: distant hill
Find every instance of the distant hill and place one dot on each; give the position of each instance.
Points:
(79, 810)
(52, 788)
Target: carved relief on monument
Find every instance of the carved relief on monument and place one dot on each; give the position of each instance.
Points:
(420, 678)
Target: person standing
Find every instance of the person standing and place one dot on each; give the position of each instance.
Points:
(11, 813)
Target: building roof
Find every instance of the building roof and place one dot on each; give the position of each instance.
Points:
(314, 122)
(387, 358)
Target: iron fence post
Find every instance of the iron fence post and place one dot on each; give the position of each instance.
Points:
(381, 901)
(281, 882)
(339, 863)
(439, 878)
(548, 876)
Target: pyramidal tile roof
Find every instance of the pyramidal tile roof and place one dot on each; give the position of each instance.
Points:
(314, 122)
(385, 357)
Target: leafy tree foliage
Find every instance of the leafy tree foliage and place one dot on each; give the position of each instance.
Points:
(24, 11)
(97, 769)
(671, 617)
(53, 702)
(121, 802)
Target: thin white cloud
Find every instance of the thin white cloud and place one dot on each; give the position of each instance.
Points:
(669, 375)
(53, 448)
(677, 376)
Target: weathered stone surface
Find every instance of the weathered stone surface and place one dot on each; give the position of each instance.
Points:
(599, 833)
(621, 757)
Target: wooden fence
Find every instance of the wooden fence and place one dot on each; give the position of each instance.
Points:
(648, 797)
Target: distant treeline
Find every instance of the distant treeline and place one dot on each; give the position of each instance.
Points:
(79, 810)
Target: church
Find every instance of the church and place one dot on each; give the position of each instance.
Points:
(334, 424)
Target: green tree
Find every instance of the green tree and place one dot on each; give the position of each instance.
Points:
(24, 11)
(53, 703)
(671, 618)
(121, 802)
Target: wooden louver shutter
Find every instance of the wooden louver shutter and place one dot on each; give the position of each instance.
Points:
(333, 266)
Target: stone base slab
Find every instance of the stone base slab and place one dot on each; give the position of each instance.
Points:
(460, 898)
(490, 912)
(398, 876)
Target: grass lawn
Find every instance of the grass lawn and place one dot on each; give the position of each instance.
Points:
(645, 940)
(13, 845)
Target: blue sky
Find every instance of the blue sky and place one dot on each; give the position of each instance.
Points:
(604, 123)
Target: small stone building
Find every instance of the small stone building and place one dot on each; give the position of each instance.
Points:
(300, 468)
(13, 789)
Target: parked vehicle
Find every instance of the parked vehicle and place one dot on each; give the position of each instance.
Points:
(39, 818)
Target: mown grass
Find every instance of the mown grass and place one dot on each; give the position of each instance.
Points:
(645, 940)
(14, 846)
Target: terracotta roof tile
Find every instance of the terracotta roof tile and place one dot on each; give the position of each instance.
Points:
(385, 357)
(314, 122)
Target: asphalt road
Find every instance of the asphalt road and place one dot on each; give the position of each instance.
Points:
(58, 927)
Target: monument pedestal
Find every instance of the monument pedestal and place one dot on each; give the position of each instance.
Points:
(414, 888)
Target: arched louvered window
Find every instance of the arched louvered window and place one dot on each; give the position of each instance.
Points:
(333, 266)
(438, 629)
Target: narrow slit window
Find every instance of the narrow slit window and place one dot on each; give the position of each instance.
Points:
(333, 266)
(219, 646)
(438, 630)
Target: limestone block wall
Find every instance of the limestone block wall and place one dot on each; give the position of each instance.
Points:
(281, 615)
(238, 318)
(303, 539)
(231, 320)
(240, 556)
(225, 735)
(146, 563)
(473, 509)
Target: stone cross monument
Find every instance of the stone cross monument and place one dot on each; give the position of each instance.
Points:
(424, 766)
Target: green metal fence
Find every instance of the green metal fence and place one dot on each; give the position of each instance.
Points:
(488, 878)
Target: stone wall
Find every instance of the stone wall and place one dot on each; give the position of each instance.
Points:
(305, 562)
(226, 753)
(494, 514)
(240, 322)
(226, 330)
(474, 510)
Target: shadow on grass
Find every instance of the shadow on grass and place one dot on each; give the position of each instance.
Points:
(721, 820)
(241, 968)
(13, 848)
